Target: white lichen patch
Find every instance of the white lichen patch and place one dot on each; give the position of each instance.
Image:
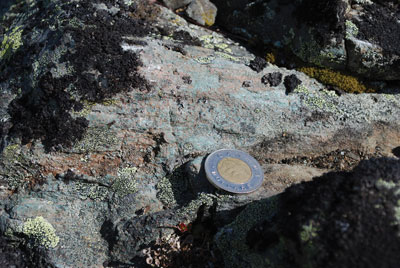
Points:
(41, 231)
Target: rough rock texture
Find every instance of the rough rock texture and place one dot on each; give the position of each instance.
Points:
(342, 219)
(174, 4)
(108, 108)
(202, 11)
(359, 36)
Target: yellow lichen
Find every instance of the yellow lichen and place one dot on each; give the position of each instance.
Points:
(345, 82)
(270, 57)
(11, 43)
(41, 231)
(208, 17)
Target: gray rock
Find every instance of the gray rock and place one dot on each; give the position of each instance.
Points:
(108, 177)
(334, 34)
(175, 4)
(202, 11)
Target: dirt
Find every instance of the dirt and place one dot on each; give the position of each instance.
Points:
(353, 218)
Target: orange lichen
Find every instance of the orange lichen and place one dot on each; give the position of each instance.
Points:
(345, 82)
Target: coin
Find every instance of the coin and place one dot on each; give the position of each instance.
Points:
(233, 171)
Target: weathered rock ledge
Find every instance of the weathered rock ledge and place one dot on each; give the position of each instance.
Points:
(109, 107)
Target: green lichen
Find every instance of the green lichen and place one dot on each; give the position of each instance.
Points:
(205, 60)
(15, 167)
(11, 42)
(88, 106)
(125, 182)
(165, 192)
(382, 184)
(351, 29)
(191, 209)
(231, 240)
(96, 139)
(324, 100)
(311, 51)
(91, 191)
(308, 232)
(41, 231)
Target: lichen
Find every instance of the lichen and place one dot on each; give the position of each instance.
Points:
(15, 167)
(92, 191)
(270, 57)
(351, 29)
(96, 139)
(345, 82)
(323, 100)
(41, 232)
(165, 192)
(203, 198)
(125, 182)
(308, 232)
(231, 240)
(11, 43)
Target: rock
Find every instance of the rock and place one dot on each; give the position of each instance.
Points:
(359, 37)
(321, 221)
(175, 4)
(108, 109)
(202, 11)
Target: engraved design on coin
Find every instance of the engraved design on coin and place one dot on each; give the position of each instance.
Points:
(234, 170)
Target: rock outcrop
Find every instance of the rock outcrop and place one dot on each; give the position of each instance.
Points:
(108, 109)
(358, 36)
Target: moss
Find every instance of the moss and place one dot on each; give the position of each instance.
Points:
(11, 43)
(347, 83)
(41, 231)
(125, 183)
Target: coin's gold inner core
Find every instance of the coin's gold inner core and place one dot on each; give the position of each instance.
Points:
(234, 170)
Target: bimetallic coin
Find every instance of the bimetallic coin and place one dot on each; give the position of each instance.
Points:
(233, 171)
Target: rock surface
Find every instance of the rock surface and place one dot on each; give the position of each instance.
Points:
(358, 36)
(342, 219)
(109, 107)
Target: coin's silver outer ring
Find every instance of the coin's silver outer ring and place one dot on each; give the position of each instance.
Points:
(218, 181)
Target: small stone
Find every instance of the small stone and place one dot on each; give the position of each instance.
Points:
(202, 11)
(272, 79)
(175, 4)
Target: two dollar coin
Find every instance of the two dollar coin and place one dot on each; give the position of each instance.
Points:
(233, 171)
